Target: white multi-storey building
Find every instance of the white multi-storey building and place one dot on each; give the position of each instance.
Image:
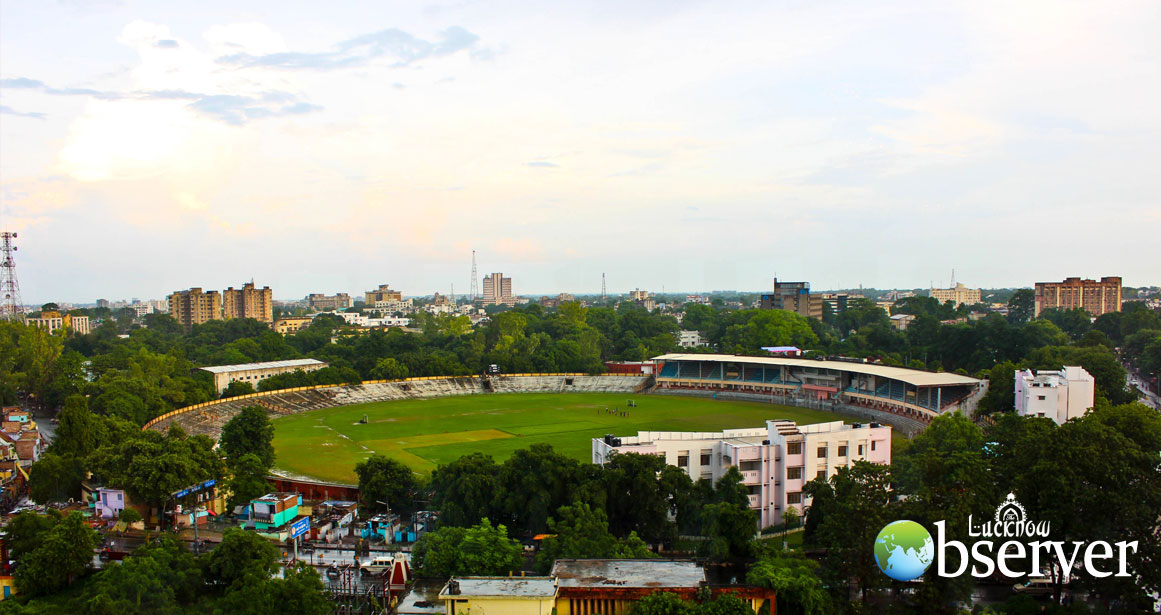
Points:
(691, 339)
(1058, 395)
(776, 461)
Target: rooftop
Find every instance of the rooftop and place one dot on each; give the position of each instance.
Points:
(507, 587)
(629, 573)
(244, 367)
(910, 376)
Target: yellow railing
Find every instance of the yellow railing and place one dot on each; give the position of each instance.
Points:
(214, 402)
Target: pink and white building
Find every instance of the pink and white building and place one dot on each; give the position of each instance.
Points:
(776, 461)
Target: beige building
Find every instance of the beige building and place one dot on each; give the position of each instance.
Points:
(1097, 297)
(497, 290)
(52, 321)
(291, 324)
(793, 297)
(383, 293)
(257, 372)
(958, 296)
(319, 301)
(248, 302)
(194, 307)
(638, 295)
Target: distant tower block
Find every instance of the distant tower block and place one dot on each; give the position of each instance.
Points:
(11, 306)
(475, 290)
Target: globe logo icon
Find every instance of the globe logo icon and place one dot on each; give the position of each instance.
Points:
(904, 550)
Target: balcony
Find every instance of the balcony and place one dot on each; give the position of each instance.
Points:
(752, 477)
(755, 501)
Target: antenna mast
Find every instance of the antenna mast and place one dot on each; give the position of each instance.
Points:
(475, 293)
(604, 293)
(11, 307)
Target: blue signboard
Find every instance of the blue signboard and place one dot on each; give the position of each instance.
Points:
(299, 527)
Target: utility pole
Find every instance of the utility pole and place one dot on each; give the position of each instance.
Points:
(11, 306)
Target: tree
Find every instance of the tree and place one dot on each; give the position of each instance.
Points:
(728, 522)
(481, 550)
(1021, 306)
(724, 604)
(25, 532)
(464, 491)
(79, 431)
(236, 388)
(1001, 384)
(636, 500)
(129, 515)
(239, 554)
(533, 483)
(385, 483)
(55, 479)
(156, 578)
(389, 369)
(248, 480)
(65, 553)
(854, 506)
(249, 433)
(796, 583)
(580, 532)
(945, 474)
(661, 603)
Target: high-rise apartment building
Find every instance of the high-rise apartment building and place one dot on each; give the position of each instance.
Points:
(958, 295)
(497, 290)
(319, 301)
(194, 307)
(1097, 297)
(793, 297)
(248, 302)
(383, 293)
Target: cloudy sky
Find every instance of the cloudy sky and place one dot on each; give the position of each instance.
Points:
(147, 147)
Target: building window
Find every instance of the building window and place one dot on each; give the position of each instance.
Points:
(794, 498)
(1040, 397)
(822, 451)
(874, 444)
(794, 473)
(842, 450)
(705, 460)
(683, 461)
(862, 448)
(793, 448)
(821, 474)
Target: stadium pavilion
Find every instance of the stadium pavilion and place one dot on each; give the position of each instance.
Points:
(912, 393)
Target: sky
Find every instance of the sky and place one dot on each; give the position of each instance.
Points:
(147, 147)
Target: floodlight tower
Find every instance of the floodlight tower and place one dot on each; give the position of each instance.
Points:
(11, 307)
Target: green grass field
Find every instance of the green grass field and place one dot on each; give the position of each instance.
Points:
(326, 444)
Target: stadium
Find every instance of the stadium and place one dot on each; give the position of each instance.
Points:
(322, 432)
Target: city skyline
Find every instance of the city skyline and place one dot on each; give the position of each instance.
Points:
(150, 148)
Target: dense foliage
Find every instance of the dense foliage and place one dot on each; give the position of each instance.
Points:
(164, 577)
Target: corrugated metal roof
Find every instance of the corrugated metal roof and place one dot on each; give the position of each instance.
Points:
(910, 376)
(244, 367)
(508, 587)
(635, 573)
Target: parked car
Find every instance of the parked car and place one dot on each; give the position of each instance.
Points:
(1036, 586)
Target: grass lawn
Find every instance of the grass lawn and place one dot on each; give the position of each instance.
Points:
(326, 444)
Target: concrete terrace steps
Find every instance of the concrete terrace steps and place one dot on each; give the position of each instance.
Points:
(209, 420)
